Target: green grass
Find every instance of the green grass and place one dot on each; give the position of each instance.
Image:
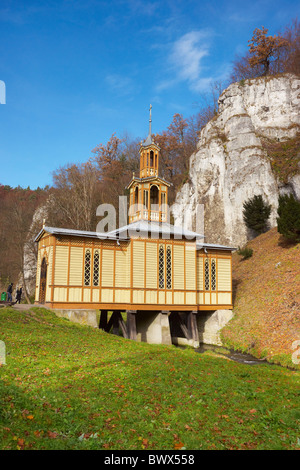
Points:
(67, 386)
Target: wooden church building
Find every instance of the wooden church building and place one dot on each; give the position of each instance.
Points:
(150, 280)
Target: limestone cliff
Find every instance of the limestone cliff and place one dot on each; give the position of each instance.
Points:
(232, 163)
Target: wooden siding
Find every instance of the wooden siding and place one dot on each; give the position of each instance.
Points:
(107, 268)
(76, 266)
(138, 247)
(151, 266)
(190, 266)
(221, 292)
(61, 265)
(178, 267)
(224, 274)
(128, 275)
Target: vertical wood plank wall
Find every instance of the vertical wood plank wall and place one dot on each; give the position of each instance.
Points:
(129, 273)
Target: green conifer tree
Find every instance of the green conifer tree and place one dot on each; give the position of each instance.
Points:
(256, 213)
(288, 220)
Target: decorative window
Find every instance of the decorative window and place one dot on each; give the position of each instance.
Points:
(161, 267)
(169, 267)
(87, 268)
(213, 274)
(96, 268)
(151, 158)
(136, 195)
(206, 274)
(146, 199)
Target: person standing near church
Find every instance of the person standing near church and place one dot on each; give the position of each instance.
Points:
(9, 292)
(19, 295)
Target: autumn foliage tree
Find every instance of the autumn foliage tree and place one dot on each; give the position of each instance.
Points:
(269, 55)
(263, 49)
(116, 162)
(75, 196)
(17, 208)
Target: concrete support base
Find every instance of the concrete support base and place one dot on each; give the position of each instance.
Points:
(153, 327)
(84, 317)
(185, 328)
(210, 325)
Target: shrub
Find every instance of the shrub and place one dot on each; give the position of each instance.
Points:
(288, 220)
(256, 213)
(245, 252)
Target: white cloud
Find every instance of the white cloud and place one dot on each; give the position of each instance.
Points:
(187, 53)
(186, 61)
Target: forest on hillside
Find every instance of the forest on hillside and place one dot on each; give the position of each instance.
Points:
(78, 189)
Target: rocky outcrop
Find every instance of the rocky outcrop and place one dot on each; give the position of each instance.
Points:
(231, 163)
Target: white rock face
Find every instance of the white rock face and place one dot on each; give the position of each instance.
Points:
(230, 165)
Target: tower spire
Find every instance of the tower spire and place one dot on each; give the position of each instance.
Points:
(150, 122)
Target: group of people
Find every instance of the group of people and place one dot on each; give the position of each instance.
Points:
(18, 293)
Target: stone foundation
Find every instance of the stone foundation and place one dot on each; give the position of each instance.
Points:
(210, 324)
(84, 317)
(153, 327)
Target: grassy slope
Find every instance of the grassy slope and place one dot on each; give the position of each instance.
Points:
(267, 299)
(67, 386)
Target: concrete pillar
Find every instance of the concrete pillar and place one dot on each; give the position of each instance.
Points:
(153, 327)
(210, 324)
(165, 327)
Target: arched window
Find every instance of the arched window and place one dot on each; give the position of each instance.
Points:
(146, 199)
(96, 268)
(136, 195)
(87, 268)
(161, 267)
(206, 274)
(154, 195)
(169, 268)
(213, 274)
(151, 158)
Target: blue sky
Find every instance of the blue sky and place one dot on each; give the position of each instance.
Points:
(76, 71)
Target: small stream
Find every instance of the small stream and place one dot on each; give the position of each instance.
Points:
(233, 355)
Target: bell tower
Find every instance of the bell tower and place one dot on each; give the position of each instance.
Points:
(149, 192)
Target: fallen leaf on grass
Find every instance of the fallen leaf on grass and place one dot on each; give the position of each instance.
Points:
(52, 435)
(178, 445)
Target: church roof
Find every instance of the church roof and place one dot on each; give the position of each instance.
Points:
(148, 178)
(75, 233)
(214, 246)
(146, 228)
(141, 227)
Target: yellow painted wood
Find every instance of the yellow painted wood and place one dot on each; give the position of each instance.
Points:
(107, 295)
(60, 294)
(76, 266)
(190, 298)
(61, 265)
(199, 273)
(151, 265)
(178, 281)
(107, 268)
(190, 271)
(224, 274)
(74, 294)
(178, 298)
(120, 271)
(138, 263)
(224, 298)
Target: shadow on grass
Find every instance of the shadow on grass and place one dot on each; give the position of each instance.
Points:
(286, 243)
